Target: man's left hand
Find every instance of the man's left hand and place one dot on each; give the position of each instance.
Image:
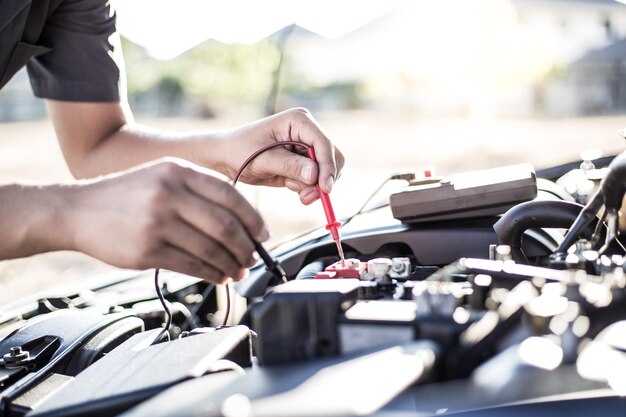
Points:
(288, 166)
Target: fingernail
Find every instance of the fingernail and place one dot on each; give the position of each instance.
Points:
(329, 183)
(310, 197)
(307, 173)
(243, 274)
(264, 234)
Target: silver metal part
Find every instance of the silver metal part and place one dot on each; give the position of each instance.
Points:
(352, 263)
(503, 253)
(400, 268)
(378, 268)
(340, 251)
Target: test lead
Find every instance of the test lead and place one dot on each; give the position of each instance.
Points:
(270, 262)
(333, 225)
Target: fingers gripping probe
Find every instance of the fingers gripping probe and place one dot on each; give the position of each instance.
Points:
(333, 225)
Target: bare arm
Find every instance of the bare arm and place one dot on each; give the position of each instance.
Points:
(99, 138)
(33, 220)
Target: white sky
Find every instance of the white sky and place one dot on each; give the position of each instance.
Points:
(168, 28)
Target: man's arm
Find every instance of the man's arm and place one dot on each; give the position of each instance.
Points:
(99, 138)
(33, 220)
(167, 214)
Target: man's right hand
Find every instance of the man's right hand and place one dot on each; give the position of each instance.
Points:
(167, 214)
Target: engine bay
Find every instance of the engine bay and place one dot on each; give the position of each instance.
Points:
(491, 293)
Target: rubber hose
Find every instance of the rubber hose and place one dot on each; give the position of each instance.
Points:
(309, 271)
(530, 215)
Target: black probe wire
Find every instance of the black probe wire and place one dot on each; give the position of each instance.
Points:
(227, 312)
(272, 264)
(165, 333)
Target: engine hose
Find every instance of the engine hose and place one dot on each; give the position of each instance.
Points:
(533, 214)
(309, 271)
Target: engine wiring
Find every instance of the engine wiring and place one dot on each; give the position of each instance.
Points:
(165, 333)
(408, 176)
(227, 309)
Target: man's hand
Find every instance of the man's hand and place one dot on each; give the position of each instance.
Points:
(283, 167)
(168, 214)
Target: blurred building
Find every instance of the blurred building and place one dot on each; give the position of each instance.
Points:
(17, 101)
(481, 59)
(570, 28)
(588, 42)
(599, 80)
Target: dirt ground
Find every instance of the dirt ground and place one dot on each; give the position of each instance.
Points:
(375, 145)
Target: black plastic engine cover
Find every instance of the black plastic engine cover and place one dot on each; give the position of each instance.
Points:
(51, 343)
(137, 370)
(299, 319)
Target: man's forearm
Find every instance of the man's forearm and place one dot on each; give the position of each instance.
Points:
(133, 144)
(101, 138)
(33, 219)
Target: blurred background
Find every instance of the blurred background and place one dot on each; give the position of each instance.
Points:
(446, 85)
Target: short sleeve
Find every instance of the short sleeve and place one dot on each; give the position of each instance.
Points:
(85, 63)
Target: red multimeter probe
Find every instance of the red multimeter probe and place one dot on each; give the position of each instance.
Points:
(333, 225)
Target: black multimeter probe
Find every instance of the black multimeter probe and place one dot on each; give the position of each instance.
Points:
(271, 263)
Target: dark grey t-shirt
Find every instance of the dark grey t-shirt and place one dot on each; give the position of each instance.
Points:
(71, 48)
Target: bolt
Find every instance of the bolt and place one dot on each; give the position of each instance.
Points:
(16, 357)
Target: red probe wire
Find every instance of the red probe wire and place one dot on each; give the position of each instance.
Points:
(332, 224)
(258, 152)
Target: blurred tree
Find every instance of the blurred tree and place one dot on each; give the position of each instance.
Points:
(213, 74)
(215, 77)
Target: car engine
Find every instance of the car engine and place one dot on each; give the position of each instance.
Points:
(499, 292)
